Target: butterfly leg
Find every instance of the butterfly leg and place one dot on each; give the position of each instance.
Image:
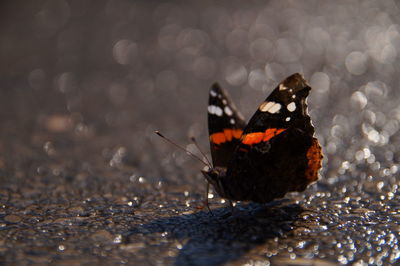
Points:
(206, 200)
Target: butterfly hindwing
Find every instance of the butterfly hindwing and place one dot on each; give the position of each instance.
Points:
(277, 152)
(225, 126)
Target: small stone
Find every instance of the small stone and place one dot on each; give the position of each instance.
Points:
(132, 247)
(76, 210)
(102, 236)
(12, 218)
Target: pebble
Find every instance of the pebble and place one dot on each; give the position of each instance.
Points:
(12, 218)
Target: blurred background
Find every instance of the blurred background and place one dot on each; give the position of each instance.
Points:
(85, 83)
(120, 69)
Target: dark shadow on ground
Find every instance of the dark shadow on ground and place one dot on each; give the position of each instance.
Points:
(217, 239)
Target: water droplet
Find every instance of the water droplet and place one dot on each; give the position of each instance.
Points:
(237, 42)
(66, 82)
(388, 54)
(118, 239)
(49, 148)
(167, 37)
(320, 82)
(125, 51)
(262, 49)
(359, 100)
(380, 185)
(257, 79)
(373, 136)
(317, 40)
(356, 63)
(288, 50)
(235, 74)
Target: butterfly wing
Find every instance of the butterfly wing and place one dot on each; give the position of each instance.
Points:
(225, 125)
(277, 152)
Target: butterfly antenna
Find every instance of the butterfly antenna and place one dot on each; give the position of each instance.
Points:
(180, 147)
(202, 153)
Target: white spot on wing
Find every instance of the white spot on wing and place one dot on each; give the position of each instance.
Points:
(287, 119)
(214, 110)
(213, 93)
(265, 106)
(275, 108)
(232, 121)
(224, 101)
(282, 87)
(294, 96)
(228, 111)
(270, 107)
(218, 111)
(291, 107)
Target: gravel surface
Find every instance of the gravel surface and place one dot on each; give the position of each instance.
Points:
(83, 85)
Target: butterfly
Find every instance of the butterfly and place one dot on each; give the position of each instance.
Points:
(274, 153)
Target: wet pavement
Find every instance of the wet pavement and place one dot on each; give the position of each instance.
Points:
(84, 180)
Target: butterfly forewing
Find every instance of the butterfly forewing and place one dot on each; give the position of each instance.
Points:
(225, 125)
(285, 107)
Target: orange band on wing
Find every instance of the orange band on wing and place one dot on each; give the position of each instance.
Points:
(252, 138)
(218, 138)
(272, 132)
(225, 136)
(257, 137)
(228, 134)
(237, 133)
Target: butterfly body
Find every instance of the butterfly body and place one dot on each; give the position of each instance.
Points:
(275, 153)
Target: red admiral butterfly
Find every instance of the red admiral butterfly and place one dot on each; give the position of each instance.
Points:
(275, 153)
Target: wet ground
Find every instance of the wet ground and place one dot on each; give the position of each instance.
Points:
(84, 180)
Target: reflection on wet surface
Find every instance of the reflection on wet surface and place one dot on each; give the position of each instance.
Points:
(85, 180)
